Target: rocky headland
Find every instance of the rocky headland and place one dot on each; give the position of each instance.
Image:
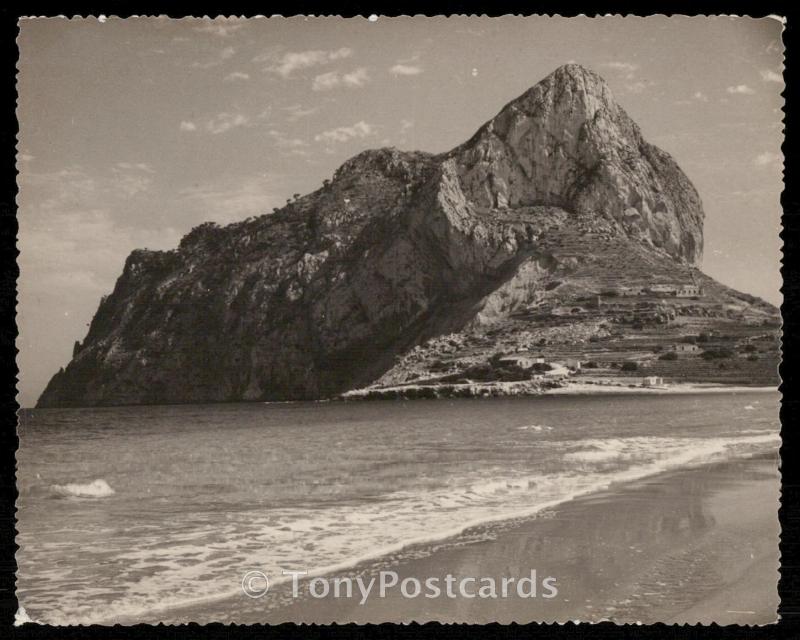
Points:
(556, 239)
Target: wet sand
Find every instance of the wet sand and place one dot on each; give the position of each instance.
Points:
(695, 545)
(612, 386)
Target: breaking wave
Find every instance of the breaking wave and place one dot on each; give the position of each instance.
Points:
(96, 489)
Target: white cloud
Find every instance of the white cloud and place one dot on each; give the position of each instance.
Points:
(221, 27)
(475, 33)
(637, 87)
(223, 54)
(697, 96)
(219, 123)
(271, 54)
(333, 79)
(236, 75)
(767, 75)
(356, 78)
(405, 125)
(742, 89)
(286, 64)
(621, 66)
(223, 122)
(326, 81)
(232, 200)
(401, 69)
(628, 72)
(297, 111)
(767, 159)
(54, 190)
(627, 69)
(138, 166)
(343, 134)
(282, 141)
(131, 178)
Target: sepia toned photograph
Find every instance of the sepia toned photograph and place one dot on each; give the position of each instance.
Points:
(401, 319)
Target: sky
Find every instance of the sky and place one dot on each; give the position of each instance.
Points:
(134, 131)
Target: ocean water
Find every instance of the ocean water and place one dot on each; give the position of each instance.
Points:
(129, 511)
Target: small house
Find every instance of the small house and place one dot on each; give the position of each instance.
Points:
(688, 291)
(523, 362)
(652, 381)
(663, 289)
(574, 364)
(685, 347)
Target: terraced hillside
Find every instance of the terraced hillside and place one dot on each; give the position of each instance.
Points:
(577, 314)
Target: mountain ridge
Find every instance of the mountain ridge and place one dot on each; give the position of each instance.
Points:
(332, 291)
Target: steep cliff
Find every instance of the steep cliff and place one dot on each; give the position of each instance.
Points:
(328, 293)
(567, 143)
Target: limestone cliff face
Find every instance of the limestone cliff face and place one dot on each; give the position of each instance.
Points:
(567, 143)
(323, 295)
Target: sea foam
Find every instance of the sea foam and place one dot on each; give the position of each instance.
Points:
(96, 489)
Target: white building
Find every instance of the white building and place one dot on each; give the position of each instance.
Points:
(688, 291)
(685, 347)
(574, 363)
(524, 362)
(663, 289)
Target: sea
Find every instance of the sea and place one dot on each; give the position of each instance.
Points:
(127, 512)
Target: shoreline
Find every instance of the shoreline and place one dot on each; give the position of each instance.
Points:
(583, 388)
(532, 388)
(493, 389)
(702, 493)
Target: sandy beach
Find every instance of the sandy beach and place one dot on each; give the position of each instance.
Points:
(583, 386)
(676, 547)
(603, 388)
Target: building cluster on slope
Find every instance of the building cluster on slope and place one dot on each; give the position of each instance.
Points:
(542, 369)
(664, 290)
